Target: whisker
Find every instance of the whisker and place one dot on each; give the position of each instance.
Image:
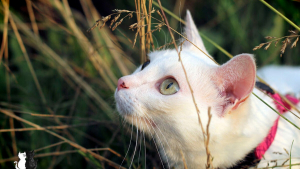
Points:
(140, 147)
(129, 144)
(137, 136)
(159, 155)
(160, 139)
(145, 149)
(155, 143)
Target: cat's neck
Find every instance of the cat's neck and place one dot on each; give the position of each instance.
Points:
(249, 124)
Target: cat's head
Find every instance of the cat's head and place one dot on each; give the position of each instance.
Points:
(22, 155)
(30, 154)
(157, 96)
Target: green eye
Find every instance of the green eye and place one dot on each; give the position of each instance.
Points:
(169, 86)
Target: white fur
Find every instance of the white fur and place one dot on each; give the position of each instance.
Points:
(21, 164)
(173, 120)
(284, 79)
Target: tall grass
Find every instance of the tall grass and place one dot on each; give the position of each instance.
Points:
(58, 80)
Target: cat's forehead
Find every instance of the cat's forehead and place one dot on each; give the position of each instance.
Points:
(169, 57)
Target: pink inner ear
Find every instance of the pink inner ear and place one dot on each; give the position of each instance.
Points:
(236, 80)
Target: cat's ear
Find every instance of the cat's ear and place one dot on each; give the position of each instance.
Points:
(192, 35)
(235, 81)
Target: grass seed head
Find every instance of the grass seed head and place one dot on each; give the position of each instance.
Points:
(295, 42)
(153, 10)
(117, 24)
(105, 19)
(114, 20)
(158, 27)
(162, 18)
(269, 37)
(130, 15)
(259, 46)
(133, 26)
(102, 26)
(282, 50)
(293, 32)
(135, 37)
(120, 10)
(286, 40)
(268, 45)
(276, 43)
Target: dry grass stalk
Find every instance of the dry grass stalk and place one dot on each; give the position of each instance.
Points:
(60, 127)
(49, 146)
(49, 18)
(285, 42)
(287, 152)
(76, 151)
(183, 160)
(7, 68)
(205, 136)
(284, 98)
(73, 144)
(114, 20)
(160, 47)
(179, 57)
(5, 4)
(22, 46)
(58, 153)
(64, 66)
(142, 30)
(110, 40)
(32, 17)
(142, 14)
(209, 157)
(94, 56)
(149, 39)
(135, 37)
(285, 161)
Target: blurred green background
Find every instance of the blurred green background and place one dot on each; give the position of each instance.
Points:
(70, 75)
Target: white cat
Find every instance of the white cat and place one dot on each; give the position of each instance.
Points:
(157, 99)
(21, 164)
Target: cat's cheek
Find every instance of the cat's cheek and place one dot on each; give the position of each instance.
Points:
(123, 103)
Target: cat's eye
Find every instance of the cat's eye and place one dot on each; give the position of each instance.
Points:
(169, 86)
(145, 64)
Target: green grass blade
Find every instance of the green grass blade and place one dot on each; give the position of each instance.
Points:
(276, 111)
(280, 14)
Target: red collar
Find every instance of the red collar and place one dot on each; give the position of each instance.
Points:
(266, 143)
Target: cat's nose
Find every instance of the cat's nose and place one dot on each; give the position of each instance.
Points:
(121, 84)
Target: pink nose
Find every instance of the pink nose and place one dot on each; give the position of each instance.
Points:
(121, 84)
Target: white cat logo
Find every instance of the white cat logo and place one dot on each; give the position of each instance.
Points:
(21, 163)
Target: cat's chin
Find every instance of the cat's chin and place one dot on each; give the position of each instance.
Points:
(142, 123)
